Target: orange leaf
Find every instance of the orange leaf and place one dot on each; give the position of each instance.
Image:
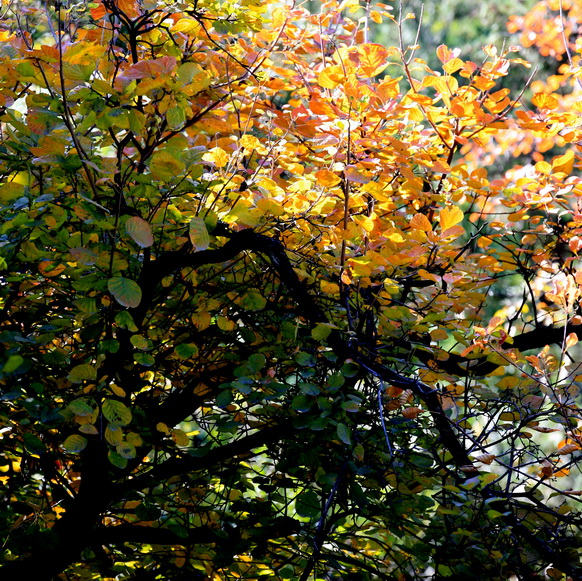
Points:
(373, 59)
(567, 449)
(571, 340)
(420, 222)
(327, 178)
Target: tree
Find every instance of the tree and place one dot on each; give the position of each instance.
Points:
(265, 313)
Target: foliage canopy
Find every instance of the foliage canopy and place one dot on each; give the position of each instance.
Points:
(265, 313)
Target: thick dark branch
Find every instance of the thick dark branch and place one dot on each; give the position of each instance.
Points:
(214, 456)
(248, 240)
(278, 528)
(480, 366)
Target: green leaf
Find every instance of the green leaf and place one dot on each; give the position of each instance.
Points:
(176, 117)
(116, 412)
(301, 403)
(321, 331)
(80, 407)
(33, 444)
(125, 291)
(343, 433)
(140, 231)
(309, 388)
(116, 459)
(198, 233)
(304, 359)
(350, 406)
(75, 444)
(165, 166)
(126, 450)
(186, 350)
(82, 372)
(253, 300)
(256, 362)
(144, 359)
(12, 363)
(140, 342)
(307, 504)
(125, 321)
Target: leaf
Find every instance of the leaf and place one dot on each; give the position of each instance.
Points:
(216, 156)
(144, 359)
(12, 363)
(253, 300)
(176, 117)
(343, 433)
(449, 217)
(564, 163)
(327, 178)
(116, 459)
(198, 233)
(307, 504)
(421, 222)
(180, 438)
(116, 412)
(83, 372)
(374, 58)
(186, 350)
(166, 166)
(256, 362)
(331, 77)
(571, 340)
(545, 101)
(80, 407)
(321, 331)
(75, 444)
(125, 291)
(140, 231)
(126, 450)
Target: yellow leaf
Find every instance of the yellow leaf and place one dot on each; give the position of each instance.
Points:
(453, 66)
(180, 437)
(331, 77)
(250, 142)
(544, 101)
(563, 163)
(217, 156)
(450, 216)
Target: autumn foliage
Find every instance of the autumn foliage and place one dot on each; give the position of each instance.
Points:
(265, 310)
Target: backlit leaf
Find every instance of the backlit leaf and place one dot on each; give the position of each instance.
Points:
(75, 444)
(450, 216)
(374, 58)
(343, 433)
(198, 233)
(140, 231)
(125, 291)
(82, 372)
(116, 412)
